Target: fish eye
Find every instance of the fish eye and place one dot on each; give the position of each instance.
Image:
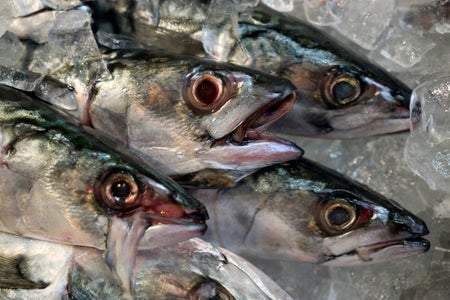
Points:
(335, 216)
(210, 290)
(204, 92)
(342, 89)
(117, 190)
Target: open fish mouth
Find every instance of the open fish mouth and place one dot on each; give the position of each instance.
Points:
(262, 119)
(248, 147)
(376, 252)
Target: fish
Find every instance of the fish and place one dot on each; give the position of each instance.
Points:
(183, 114)
(192, 269)
(61, 184)
(303, 211)
(340, 94)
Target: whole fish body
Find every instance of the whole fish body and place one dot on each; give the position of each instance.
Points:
(193, 269)
(182, 114)
(60, 184)
(302, 211)
(339, 94)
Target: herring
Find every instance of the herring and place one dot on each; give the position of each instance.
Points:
(302, 211)
(58, 183)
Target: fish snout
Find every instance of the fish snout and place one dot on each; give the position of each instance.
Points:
(409, 223)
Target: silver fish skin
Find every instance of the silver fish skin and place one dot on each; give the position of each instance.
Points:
(303, 211)
(186, 115)
(339, 93)
(193, 269)
(60, 184)
(182, 114)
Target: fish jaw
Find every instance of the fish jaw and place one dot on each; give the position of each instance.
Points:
(259, 105)
(384, 251)
(262, 149)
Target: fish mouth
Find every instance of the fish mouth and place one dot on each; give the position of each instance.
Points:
(170, 233)
(398, 121)
(248, 147)
(260, 120)
(382, 251)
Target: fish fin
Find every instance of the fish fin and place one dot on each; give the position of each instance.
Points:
(14, 274)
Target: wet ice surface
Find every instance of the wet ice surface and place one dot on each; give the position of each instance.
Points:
(427, 149)
(323, 12)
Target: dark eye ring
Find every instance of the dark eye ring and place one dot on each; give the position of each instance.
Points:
(336, 216)
(117, 190)
(204, 92)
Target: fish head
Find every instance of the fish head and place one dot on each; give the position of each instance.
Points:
(350, 224)
(360, 230)
(233, 107)
(303, 211)
(186, 114)
(346, 101)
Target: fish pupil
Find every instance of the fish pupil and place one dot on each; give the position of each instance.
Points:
(206, 91)
(120, 190)
(338, 216)
(343, 91)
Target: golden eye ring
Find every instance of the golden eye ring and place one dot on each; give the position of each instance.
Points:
(339, 216)
(345, 89)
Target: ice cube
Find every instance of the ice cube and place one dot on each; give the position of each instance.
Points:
(35, 27)
(364, 21)
(11, 49)
(72, 57)
(280, 5)
(405, 48)
(325, 12)
(26, 7)
(429, 16)
(61, 4)
(427, 150)
(220, 32)
(7, 11)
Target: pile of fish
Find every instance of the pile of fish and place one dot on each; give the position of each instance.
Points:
(124, 138)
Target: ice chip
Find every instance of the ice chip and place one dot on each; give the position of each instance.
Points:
(405, 48)
(322, 13)
(220, 32)
(148, 11)
(7, 11)
(11, 49)
(364, 21)
(280, 5)
(26, 7)
(61, 4)
(427, 150)
(35, 27)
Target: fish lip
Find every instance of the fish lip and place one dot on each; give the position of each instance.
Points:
(177, 233)
(419, 244)
(261, 118)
